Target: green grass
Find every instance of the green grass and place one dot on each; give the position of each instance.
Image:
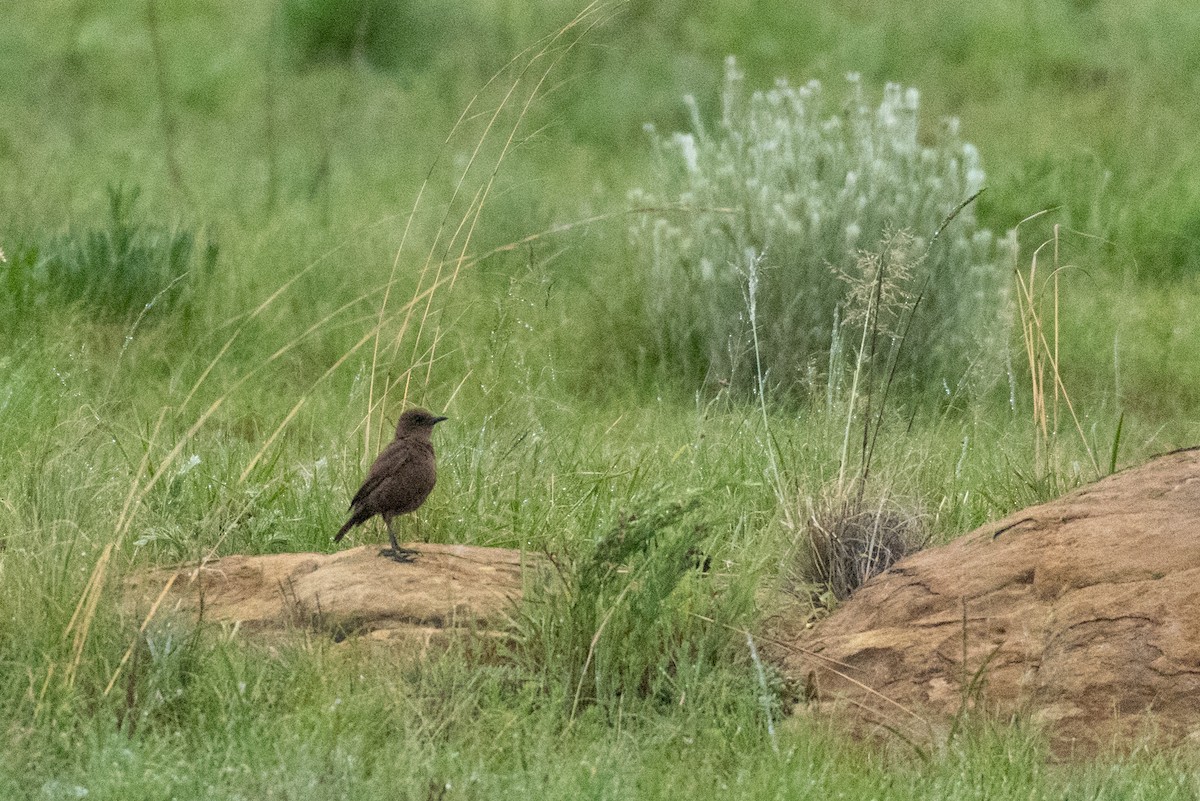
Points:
(239, 417)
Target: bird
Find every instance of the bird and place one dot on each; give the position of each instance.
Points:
(399, 480)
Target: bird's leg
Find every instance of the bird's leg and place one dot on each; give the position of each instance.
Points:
(396, 553)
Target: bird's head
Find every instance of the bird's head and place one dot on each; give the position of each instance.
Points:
(417, 422)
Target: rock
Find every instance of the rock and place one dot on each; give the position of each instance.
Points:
(1082, 615)
(445, 589)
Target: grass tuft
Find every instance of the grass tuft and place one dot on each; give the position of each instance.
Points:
(129, 268)
(849, 541)
(636, 616)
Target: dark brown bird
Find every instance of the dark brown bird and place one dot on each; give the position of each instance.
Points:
(400, 480)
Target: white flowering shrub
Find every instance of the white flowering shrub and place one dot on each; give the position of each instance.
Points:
(771, 208)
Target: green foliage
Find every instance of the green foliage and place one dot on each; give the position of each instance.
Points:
(782, 194)
(635, 615)
(127, 268)
(387, 34)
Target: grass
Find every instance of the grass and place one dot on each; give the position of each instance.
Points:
(124, 271)
(414, 233)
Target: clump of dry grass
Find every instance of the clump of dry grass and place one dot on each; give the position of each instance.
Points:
(851, 540)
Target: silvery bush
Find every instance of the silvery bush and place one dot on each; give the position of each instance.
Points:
(789, 194)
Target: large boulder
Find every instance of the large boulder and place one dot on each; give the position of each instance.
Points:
(1082, 615)
(443, 591)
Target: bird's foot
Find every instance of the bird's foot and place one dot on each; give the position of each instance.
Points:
(401, 555)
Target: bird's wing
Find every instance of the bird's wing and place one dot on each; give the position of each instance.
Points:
(400, 494)
(365, 490)
(385, 464)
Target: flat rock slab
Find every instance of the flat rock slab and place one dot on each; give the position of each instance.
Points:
(443, 589)
(1082, 614)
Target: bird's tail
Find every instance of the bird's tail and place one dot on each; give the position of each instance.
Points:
(342, 531)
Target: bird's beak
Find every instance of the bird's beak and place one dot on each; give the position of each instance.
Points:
(437, 420)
